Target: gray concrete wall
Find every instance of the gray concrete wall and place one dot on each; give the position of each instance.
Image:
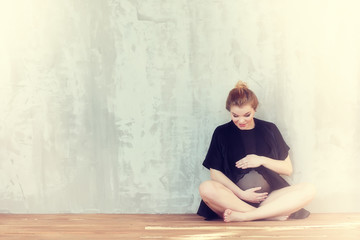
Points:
(109, 106)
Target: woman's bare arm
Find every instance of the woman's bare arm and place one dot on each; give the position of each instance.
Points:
(249, 195)
(252, 161)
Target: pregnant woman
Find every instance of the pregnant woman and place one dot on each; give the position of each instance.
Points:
(246, 158)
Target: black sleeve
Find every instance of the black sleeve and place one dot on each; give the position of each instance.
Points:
(214, 158)
(282, 147)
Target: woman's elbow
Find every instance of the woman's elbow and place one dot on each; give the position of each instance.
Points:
(289, 167)
(289, 171)
(214, 174)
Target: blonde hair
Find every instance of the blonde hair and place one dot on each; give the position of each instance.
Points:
(241, 95)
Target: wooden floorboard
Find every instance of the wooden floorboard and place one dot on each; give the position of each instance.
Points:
(119, 226)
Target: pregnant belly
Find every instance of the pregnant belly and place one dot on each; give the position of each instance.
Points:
(253, 179)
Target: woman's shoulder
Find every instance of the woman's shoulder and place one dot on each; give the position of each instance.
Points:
(223, 128)
(265, 124)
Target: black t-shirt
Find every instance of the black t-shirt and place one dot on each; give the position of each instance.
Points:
(229, 144)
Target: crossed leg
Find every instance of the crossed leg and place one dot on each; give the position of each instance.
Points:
(278, 206)
(219, 198)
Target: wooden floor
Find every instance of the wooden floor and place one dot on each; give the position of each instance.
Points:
(112, 226)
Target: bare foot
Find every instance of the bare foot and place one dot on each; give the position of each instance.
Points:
(232, 216)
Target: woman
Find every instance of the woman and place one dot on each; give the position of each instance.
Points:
(245, 158)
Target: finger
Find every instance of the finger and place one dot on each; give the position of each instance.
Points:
(263, 195)
(245, 165)
(256, 189)
(242, 165)
(260, 196)
(262, 199)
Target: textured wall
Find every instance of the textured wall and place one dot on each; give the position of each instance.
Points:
(109, 106)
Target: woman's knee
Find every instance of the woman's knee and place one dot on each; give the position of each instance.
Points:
(208, 189)
(311, 189)
(308, 189)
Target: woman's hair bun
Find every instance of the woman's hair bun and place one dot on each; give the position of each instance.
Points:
(240, 85)
(241, 95)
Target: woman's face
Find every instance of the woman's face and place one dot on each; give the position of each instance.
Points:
(243, 117)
